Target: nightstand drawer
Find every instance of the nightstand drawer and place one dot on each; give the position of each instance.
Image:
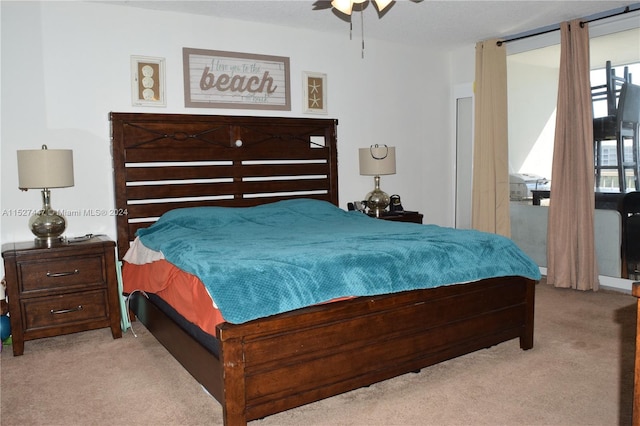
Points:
(65, 309)
(60, 273)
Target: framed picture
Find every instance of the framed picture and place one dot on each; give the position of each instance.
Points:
(314, 89)
(218, 79)
(147, 81)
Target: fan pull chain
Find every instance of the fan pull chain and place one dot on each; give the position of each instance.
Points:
(362, 30)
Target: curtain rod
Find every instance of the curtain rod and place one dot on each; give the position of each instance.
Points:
(626, 10)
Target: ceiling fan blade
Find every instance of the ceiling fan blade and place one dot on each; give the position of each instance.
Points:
(322, 4)
(382, 4)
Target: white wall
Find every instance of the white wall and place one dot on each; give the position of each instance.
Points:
(66, 65)
(533, 92)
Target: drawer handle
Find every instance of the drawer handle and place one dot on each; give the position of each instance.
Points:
(66, 311)
(62, 274)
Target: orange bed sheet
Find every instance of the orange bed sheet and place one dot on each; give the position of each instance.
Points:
(184, 292)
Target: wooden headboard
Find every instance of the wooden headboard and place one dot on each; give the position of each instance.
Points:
(167, 161)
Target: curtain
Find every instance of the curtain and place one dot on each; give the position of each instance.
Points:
(571, 256)
(490, 193)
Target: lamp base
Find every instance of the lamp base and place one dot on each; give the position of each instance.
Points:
(377, 200)
(47, 225)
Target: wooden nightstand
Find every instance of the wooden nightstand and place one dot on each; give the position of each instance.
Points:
(406, 216)
(65, 288)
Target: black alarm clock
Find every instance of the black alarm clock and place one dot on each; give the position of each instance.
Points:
(396, 204)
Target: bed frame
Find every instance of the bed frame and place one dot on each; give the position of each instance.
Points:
(265, 366)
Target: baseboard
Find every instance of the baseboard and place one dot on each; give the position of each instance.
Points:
(610, 283)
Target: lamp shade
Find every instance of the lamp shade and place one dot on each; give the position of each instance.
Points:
(45, 168)
(377, 160)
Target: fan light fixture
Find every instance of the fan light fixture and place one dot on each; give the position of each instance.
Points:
(346, 6)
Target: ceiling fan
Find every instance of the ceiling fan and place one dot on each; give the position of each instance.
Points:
(346, 6)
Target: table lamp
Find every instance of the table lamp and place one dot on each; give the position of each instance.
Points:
(44, 169)
(375, 161)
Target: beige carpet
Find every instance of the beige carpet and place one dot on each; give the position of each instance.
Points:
(580, 372)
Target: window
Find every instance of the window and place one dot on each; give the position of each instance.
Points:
(532, 91)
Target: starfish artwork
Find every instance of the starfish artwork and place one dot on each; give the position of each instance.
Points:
(315, 93)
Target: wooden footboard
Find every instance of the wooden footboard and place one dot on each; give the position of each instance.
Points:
(274, 364)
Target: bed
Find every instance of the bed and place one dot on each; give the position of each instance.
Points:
(164, 162)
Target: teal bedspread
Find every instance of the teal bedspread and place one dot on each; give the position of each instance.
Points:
(273, 258)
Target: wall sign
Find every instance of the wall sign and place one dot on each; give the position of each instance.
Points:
(218, 79)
